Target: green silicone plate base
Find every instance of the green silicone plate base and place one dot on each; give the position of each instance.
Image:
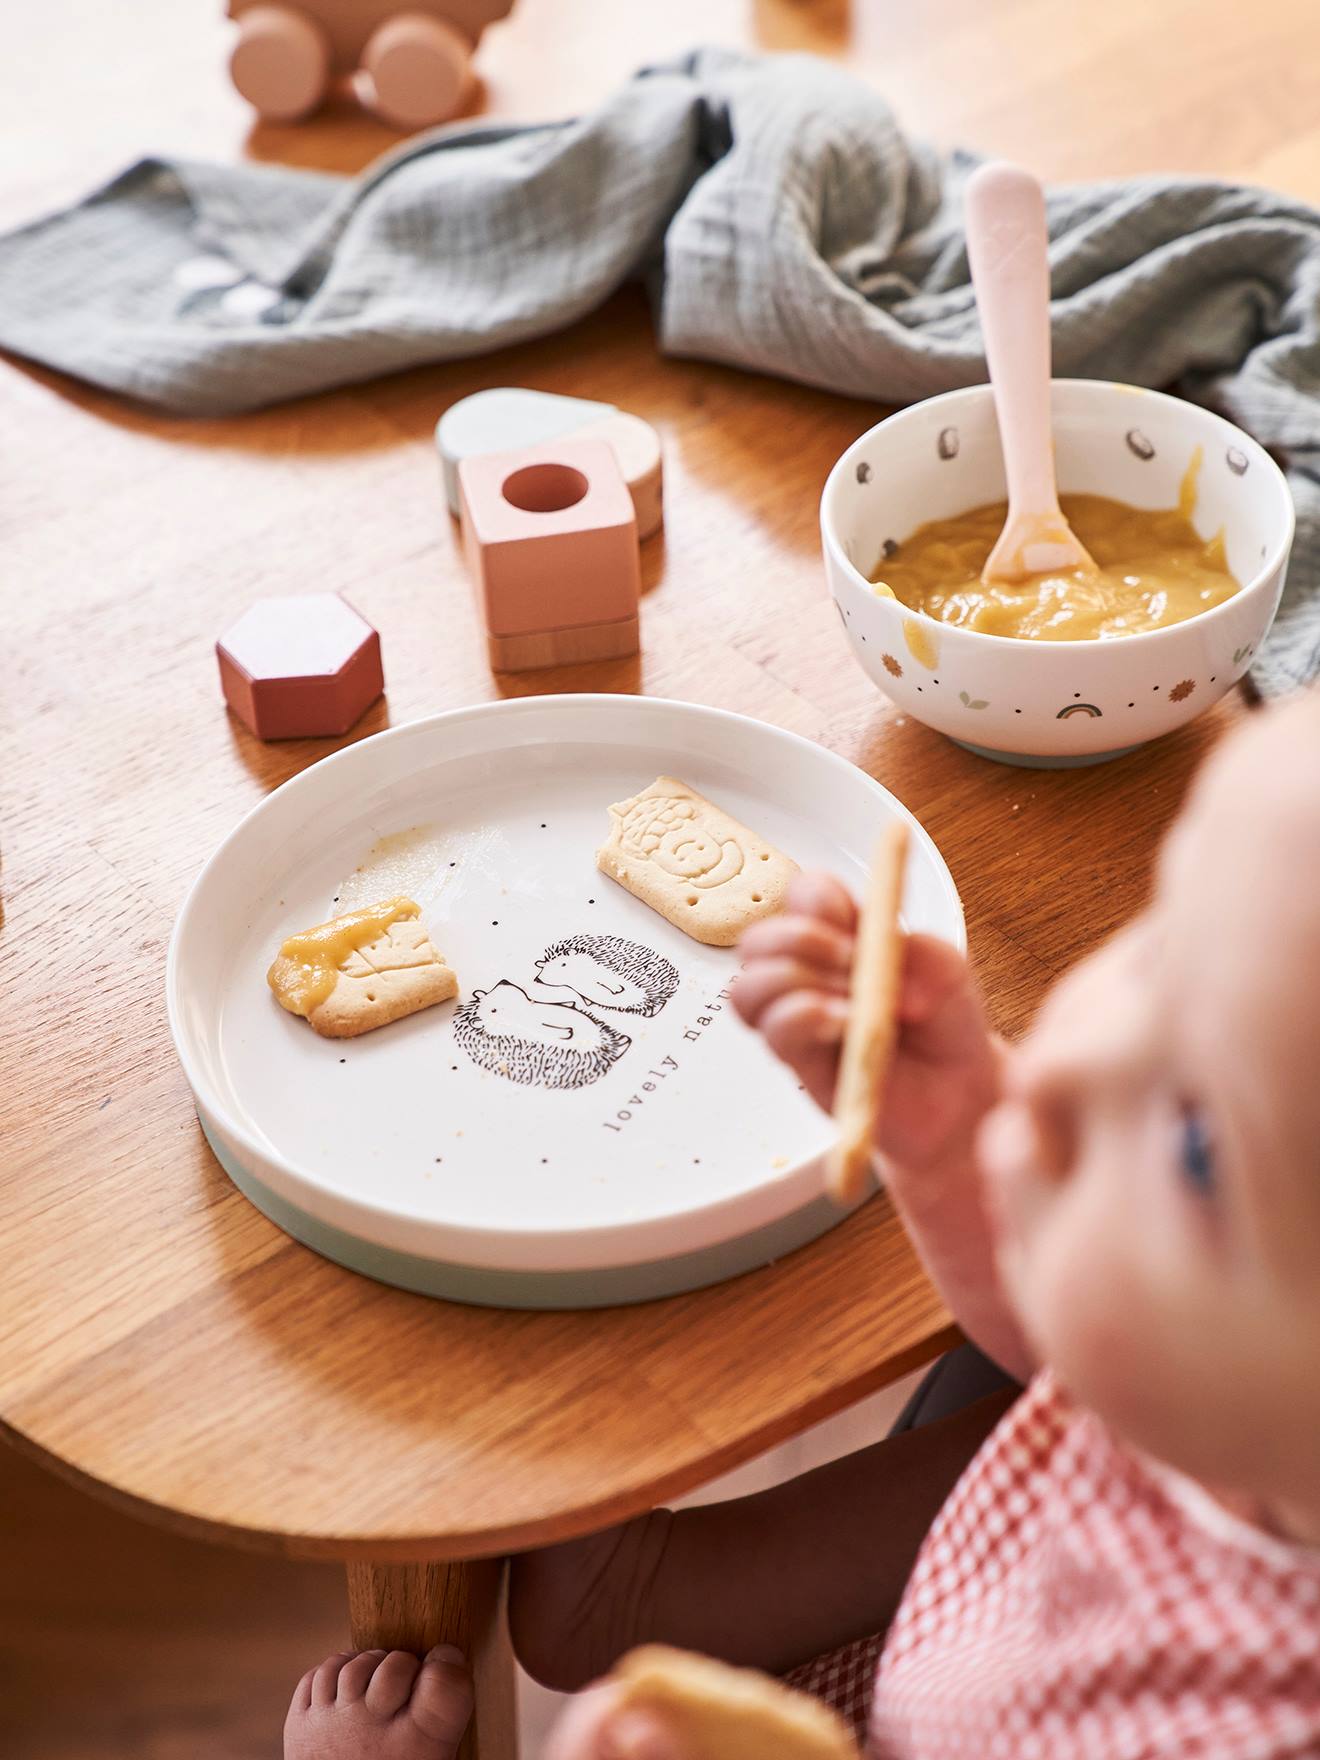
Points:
(617, 1287)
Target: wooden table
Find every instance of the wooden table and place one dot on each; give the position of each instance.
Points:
(160, 1342)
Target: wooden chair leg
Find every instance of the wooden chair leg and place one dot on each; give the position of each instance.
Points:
(413, 1606)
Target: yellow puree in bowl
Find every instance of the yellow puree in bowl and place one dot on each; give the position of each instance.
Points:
(1153, 571)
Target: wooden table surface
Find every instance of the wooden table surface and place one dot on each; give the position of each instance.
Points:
(159, 1339)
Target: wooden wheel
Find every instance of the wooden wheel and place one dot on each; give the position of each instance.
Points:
(281, 62)
(417, 70)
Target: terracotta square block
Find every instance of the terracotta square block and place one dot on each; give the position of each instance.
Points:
(564, 647)
(550, 533)
(301, 666)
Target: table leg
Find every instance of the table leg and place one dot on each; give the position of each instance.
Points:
(413, 1606)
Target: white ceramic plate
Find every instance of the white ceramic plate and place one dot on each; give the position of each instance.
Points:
(682, 1153)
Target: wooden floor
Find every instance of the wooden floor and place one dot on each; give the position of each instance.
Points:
(119, 1640)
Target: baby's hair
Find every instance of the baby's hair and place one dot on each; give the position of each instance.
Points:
(528, 1061)
(652, 973)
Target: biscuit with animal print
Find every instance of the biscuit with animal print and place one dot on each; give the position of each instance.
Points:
(361, 970)
(722, 1713)
(694, 863)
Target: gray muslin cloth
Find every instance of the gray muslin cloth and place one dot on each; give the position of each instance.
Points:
(781, 218)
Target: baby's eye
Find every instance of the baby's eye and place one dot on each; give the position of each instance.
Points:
(1196, 1153)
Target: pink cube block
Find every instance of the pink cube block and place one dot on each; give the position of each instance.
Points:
(300, 666)
(551, 538)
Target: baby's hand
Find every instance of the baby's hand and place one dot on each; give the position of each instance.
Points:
(596, 1727)
(794, 989)
(943, 1079)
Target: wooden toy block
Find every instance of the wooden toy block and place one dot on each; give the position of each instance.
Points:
(551, 539)
(306, 665)
(410, 60)
(505, 418)
(636, 445)
(564, 647)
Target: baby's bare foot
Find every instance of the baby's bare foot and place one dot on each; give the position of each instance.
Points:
(379, 1705)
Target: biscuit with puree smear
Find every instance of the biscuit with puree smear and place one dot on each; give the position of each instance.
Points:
(361, 970)
(689, 860)
(723, 1713)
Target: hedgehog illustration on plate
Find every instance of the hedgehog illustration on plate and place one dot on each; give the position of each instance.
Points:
(605, 971)
(534, 1043)
(558, 1041)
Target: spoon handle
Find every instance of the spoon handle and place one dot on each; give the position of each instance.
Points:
(1006, 246)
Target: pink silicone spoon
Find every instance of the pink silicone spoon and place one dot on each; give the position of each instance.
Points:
(1006, 245)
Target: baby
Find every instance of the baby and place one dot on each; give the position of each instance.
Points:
(1125, 1210)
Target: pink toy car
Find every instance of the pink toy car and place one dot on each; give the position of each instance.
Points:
(411, 60)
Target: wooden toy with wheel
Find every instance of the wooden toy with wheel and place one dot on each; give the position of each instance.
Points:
(410, 61)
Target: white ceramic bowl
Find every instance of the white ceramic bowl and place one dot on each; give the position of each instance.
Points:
(1055, 703)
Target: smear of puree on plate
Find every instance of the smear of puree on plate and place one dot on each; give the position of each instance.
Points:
(1153, 570)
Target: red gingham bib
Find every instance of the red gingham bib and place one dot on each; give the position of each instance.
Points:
(1073, 1601)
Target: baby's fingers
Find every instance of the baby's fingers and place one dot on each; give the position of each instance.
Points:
(933, 972)
(581, 1733)
(805, 1029)
(818, 894)
(597, 1726)
(809, 939)
(764, 981)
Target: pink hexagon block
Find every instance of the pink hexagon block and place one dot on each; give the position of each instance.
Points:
(300, 666)
(551, 538)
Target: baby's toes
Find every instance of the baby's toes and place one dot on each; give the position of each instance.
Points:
(312, 1704)
(325, 1679)
(441, 1702)
(297, 1724)
(302, 1693)
(356, 1676)
(390, 1687)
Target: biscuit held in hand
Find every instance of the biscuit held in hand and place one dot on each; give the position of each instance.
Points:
(872, 1029)
(720, 1713)
(362, 970)
(693, 863)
